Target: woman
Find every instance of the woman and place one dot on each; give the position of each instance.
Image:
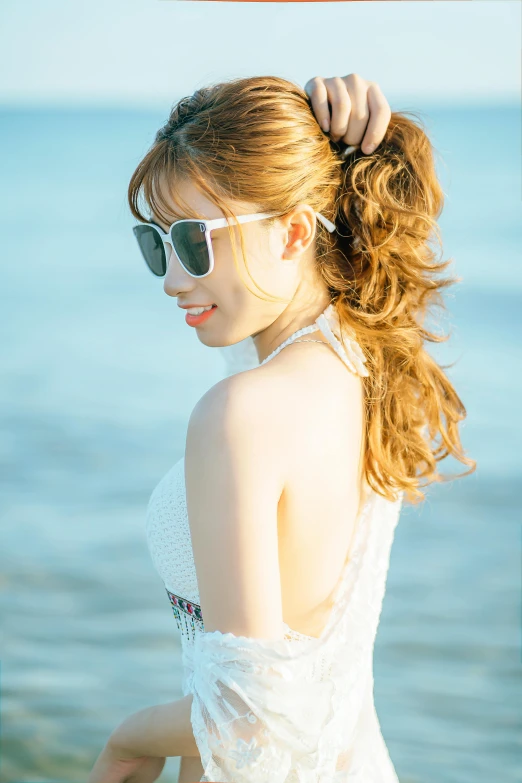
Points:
(296, 463)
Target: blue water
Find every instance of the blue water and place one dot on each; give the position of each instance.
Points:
(98, 377)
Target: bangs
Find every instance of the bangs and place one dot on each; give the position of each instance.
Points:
(153, 191)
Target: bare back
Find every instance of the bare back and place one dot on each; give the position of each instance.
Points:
(320, 418)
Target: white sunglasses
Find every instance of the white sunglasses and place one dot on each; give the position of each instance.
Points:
(190, 241)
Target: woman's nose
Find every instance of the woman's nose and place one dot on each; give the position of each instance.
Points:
(176, 279)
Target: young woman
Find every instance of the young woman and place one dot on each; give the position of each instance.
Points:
(272, 534)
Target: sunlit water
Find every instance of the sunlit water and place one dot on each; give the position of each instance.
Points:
(99, 374)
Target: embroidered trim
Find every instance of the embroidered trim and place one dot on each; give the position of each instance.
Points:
(187, 614)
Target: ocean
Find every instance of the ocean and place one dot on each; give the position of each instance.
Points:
(99, 374)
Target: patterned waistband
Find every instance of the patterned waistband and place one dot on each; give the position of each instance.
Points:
(188, 614)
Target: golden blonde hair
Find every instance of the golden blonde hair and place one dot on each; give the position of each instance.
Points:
(256, 140)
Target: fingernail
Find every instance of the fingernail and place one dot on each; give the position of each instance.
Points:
(325, 125)
(370, 148)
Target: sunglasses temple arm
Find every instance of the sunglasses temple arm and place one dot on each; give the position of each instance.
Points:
(327, 223)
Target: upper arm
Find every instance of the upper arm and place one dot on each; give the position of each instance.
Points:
(234, 480)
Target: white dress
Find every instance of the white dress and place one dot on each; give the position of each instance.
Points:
(299, 709)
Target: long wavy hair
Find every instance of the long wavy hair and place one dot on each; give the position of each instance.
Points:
(257, 140)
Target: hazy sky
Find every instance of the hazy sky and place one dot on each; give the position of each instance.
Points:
(151, 52)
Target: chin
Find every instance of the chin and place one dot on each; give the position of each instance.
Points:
(214, 341)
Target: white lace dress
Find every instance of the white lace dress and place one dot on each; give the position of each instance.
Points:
(299, 709)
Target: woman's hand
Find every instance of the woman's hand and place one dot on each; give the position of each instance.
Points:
(110, 767)
(359, 109)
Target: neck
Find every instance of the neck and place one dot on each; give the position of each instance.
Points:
(294, 317)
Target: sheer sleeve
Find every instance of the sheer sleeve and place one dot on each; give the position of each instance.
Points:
(259, 713)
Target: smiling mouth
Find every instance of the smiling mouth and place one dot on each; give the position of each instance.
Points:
(196, 320)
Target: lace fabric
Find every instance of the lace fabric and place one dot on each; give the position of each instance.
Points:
(297, 709)
(278, 711)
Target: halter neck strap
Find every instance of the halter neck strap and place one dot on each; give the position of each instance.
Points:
(349, 350)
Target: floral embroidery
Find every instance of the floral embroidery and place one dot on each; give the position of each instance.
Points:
(246, 753)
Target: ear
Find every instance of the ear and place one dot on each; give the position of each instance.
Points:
(300, 227)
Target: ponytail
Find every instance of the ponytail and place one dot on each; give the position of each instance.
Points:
(385, 275)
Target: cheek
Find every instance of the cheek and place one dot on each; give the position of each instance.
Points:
(224, 266)
(270, 272)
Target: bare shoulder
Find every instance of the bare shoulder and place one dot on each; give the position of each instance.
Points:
(242, 402)
(239, 419)
(294, 397)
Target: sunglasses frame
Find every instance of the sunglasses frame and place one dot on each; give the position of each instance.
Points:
(208, 226)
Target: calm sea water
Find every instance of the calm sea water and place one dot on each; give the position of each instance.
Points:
(99, 374)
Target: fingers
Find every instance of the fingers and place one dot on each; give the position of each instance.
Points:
(316, 91)
(341, 104)
(351, 109)
(380, 115)
(357, 89)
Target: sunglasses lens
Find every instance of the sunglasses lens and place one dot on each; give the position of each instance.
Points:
(188, 240)
(152, 249)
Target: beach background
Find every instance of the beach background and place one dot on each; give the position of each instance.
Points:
(99, 374)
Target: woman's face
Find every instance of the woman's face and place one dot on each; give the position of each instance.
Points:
(280, 258)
